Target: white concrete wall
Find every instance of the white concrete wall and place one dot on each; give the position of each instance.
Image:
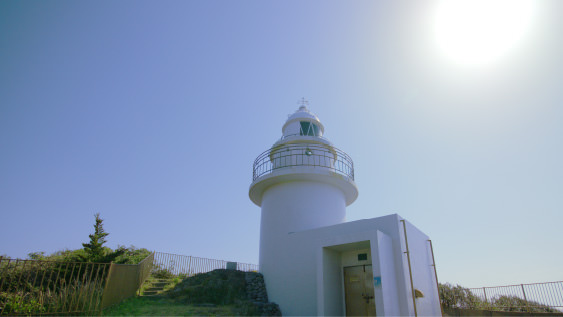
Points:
(350, 258)
(331, 274)
(423, 275)
(386, 293)
(308, 279)
(291, 207)
(301, 205)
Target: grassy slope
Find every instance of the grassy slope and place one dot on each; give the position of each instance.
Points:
(164, 306)
(216, 293)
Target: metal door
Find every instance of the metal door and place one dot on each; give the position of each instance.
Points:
(358, 286)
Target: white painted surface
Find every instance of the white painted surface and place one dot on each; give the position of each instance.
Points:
(291, 207)
(303, 173)
(423, 272)
(386, 293)
(312, 275)
(305, 241)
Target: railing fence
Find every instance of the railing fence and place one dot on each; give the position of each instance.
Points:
(297, 154)
(532, 298)
(167, 264)
(50, 287)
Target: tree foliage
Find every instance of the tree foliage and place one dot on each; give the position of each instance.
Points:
(459, 297)
(95, 250)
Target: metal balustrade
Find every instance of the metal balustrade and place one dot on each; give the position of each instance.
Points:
(175, 264)
(303, 154)
(532, 298)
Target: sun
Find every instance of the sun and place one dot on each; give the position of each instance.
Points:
(475, 32)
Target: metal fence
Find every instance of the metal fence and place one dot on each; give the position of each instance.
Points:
(303, 154)
(124, 280)
(174, 264)
(536, 297)
(55, 287)
(50, 287)
(532, 298)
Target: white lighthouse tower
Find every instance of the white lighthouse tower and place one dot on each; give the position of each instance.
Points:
(313, 261)
(302, 182)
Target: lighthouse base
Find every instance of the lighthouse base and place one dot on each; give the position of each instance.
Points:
(355, 268)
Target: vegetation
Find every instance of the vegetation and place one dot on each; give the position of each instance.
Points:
(217, 293)
(459, 297)
(164, 306)
(463, 298)
(220, 287)
(65, 281)
(163, 273)
(42, 287)
(94, 251)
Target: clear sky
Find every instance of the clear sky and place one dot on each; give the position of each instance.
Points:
(152, 113)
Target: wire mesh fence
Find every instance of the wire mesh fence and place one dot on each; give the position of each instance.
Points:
(50, 287)
(167, 264)
(532, 298)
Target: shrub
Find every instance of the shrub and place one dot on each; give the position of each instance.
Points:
(459, 297)
(517, 304)
(132, 255)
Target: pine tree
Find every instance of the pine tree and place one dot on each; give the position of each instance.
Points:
(95, 249)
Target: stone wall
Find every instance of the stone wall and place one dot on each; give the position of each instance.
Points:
(257, 294)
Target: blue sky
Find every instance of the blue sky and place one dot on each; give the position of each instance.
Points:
(152, 113)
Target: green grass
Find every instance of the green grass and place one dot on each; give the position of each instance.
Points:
(163, 306)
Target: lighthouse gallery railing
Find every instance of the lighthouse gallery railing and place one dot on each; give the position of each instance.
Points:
(303, 154)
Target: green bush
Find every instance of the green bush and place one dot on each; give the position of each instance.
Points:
(517, 304)
(19, 303)
(159, 272)
(459, 297)
(221, 287)
(132, 255)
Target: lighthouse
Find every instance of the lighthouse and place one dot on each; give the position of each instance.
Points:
(313, 261)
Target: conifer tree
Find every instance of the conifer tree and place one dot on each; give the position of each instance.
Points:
(95, 249)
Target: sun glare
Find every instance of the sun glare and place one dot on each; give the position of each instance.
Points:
(474, 32)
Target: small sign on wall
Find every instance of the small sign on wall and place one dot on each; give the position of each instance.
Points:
(377, 281)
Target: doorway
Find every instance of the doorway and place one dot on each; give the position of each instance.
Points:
(358, 287)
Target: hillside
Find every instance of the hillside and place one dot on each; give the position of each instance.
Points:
(218, 293)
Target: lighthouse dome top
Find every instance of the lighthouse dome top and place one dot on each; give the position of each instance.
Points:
(303, 122)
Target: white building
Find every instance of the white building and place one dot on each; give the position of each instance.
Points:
(315, 263)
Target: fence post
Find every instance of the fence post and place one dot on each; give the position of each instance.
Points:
(523, 292)
(485, 293)
(189, 266)
(105, 298)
